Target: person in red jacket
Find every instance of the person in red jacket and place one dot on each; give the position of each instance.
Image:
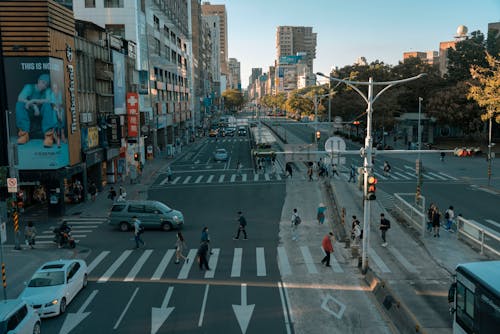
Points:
(327, 245)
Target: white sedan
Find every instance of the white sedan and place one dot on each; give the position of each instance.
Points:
(54, 286)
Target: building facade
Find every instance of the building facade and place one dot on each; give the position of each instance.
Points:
(291, 40)
(234, 74)
(208, 9)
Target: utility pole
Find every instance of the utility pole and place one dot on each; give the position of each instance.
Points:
(368, 149)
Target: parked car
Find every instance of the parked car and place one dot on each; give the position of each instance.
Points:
(17, 317)
(152, 214)
(54, 285)
(242, 131)
(221, 154)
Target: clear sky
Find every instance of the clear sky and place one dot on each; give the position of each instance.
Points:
(348, 29)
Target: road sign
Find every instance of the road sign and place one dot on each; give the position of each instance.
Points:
(12, 184)
(335, 145)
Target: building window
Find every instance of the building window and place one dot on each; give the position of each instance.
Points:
(156, 22)
(89, 3)
(113, 4)
(116, 29)
(157, 44)
(166, 31)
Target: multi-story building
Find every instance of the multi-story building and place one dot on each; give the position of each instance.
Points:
(207, 9)
(160, 29)
(234, 74)
(292, 40)
(211, 24)
(429, 57)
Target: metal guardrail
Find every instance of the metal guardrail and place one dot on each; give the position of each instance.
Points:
(466, 229)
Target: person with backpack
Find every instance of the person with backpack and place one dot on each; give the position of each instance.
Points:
(30, 234)
(295, 223)
(138, 230)
(436, 221)
(449, 215)
(385, 225)
(242, 227)
(321, 213)
(202, 256)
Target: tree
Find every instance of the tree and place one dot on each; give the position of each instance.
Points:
(233, 99)
(486, 88)
(466, 53)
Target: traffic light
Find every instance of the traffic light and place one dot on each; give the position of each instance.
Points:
(136, 156)
(370, 193)
(356, 123)
(318, 135)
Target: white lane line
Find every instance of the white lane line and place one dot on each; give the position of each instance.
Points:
(427, 176)
(266, 176)
(236, 267)
(212, 263)
(283, 262)
(210, 178)
(51, 237)
(233, 177)
(284, 306)
(411, 168)
(436, 175)
(125, 309)
(334, 263)
(378, 261)
(164, 181)
(402, 175)
(186, 180)
(97, 260)
(186, 267)
(163, 265)
(261, 261)
(221, 178)
(111, 270)
(138, 265)
(198, 179)
(176, 180)
(476, 187)
(448, 176)
(308, 260)
(380, 176)
(256, 177)
(244, 177)
(203, 305)
(409, 267)
(412, 175)
(492, 222)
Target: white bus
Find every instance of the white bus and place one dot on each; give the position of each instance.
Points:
(475, 298)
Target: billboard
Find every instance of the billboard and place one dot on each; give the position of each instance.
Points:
(133, 114)
(38, 121)
(119, 82)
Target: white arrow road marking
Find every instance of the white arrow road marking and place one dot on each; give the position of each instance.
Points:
(73, 319)
(243, 312)
(160, 315)
(325, 307)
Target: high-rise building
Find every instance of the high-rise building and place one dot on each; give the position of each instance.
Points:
(207, 9)
(429, 57)
(293, 40)
(234, 74)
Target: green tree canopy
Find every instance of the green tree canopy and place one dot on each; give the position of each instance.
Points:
(485, 90)
(466, 53)
(233, 99)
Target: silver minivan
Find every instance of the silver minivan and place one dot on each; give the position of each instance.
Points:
(152, 214)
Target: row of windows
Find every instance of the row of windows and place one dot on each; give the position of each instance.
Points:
(107, 3)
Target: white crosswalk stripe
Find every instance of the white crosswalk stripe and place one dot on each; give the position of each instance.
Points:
(198, 179)
(156, 265)
(210, 178)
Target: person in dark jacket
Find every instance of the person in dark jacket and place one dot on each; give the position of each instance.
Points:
(202, 256)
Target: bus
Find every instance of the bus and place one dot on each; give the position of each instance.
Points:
(475, 298)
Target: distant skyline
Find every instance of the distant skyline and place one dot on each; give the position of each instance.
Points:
(348, 30)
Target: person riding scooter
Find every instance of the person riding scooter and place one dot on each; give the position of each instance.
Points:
(63, 235)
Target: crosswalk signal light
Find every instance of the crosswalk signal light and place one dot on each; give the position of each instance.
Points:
(318, 135)
(370, 193)
(136, 156)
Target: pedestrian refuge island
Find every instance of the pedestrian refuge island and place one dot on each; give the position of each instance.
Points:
(468, 231)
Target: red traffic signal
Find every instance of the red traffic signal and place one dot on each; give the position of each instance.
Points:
(356, 123)
(370, 191)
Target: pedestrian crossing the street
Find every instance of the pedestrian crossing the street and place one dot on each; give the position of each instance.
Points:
(214, 178)
(409, 174)
(80, 228)
(156, 265)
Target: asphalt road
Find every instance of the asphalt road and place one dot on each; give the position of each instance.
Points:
(143, 291)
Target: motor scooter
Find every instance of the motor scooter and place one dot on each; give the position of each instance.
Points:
(64, 238)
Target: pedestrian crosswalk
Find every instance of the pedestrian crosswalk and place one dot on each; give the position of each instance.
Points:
(409, 173)
(80, 228)
(229, 139)
(216, 178)
(155, 265)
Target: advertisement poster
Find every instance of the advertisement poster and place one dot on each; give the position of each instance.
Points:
(119, 82)
(37, 105)
(133, 114)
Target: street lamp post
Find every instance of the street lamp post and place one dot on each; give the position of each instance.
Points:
(419, 161)
(367, 152)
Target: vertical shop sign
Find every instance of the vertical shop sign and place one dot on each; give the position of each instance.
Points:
(133, 114)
